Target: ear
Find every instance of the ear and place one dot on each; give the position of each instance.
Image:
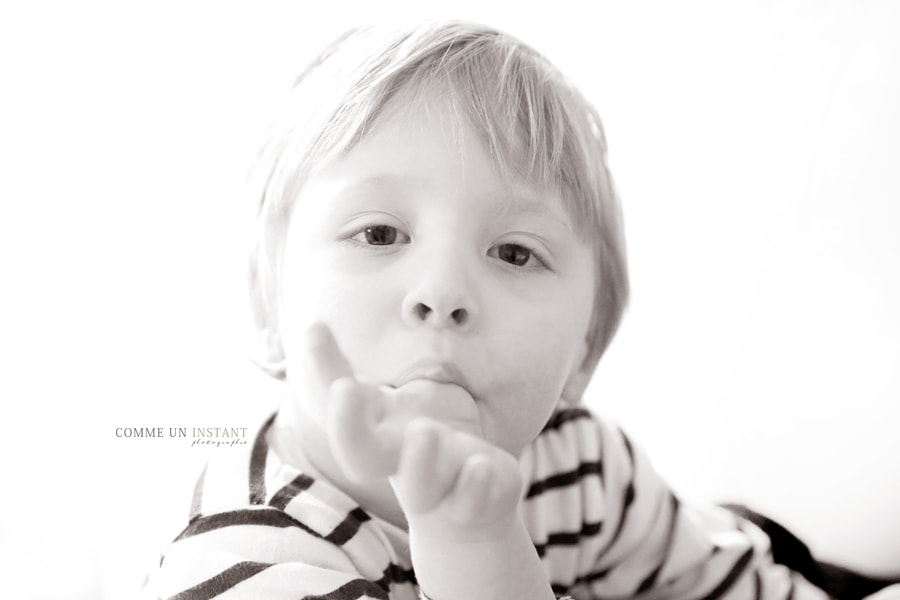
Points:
(269, 354)
(578, 379)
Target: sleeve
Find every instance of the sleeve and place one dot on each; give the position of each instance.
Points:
(261, 529)
(259, 552)
(633, 537)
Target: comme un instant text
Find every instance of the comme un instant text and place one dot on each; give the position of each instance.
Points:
(196, 432)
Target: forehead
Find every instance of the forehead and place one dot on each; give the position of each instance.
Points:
(418, 136)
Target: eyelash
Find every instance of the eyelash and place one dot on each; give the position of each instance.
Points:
(533, 254)
(375, 247)
(493, 252)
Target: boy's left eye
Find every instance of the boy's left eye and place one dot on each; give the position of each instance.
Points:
(516, 255)
(381, 235)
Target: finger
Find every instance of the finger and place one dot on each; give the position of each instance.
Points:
(487, 492)
(424, 476)
(473, 489)
(328, 362)
(355, 410)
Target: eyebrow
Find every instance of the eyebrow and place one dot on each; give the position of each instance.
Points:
(509, 199)
(528, 201)
(383, 182)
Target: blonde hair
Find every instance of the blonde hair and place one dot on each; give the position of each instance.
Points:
(533, 121)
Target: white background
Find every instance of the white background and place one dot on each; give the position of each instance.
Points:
(756, 146)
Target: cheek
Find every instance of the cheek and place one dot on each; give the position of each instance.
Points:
(549, 334)
(313, 291)
(358, 305)
(530, 380)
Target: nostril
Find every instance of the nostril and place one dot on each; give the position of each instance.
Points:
(422, 311)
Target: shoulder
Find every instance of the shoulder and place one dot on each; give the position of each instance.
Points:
(567, 497)
(255, 486)
(255, 520)
(576, 441)
(244, 500)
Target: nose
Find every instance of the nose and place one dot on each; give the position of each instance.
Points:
(440, 298)
(424, 313)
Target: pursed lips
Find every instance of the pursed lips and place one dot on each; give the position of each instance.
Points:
(437, 371)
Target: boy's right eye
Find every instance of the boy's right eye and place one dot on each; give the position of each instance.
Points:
(380, 235)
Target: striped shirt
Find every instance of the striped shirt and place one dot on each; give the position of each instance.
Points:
(603, 522)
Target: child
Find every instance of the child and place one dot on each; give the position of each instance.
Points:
(438, 267)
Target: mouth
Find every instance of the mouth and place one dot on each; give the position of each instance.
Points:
(431, 370)
(439, 390)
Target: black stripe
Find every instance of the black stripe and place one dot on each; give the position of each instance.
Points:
(568, 538)
(564, 479)
(562, 417)
(384, 583)
(629, 497)
(559, 589)
(290, 491)
(258, 464)
(348, 527)
(650, 580)
(620, 526)
(222, 582)
(629, 500)
(628, 447)
(757, 584)
(197, 500)
(352, 590)
(593, 576)
(397, 574)
(731, 577)
(267, 517)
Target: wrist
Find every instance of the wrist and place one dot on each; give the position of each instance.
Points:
(500, 564)
(429, 529)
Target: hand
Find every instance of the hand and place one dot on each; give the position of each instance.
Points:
(455, 486)
(449, 481)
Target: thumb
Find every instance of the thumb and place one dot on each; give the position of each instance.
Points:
(354, 413)
(326, 359)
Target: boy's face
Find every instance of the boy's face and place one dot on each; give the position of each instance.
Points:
(432, 269)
